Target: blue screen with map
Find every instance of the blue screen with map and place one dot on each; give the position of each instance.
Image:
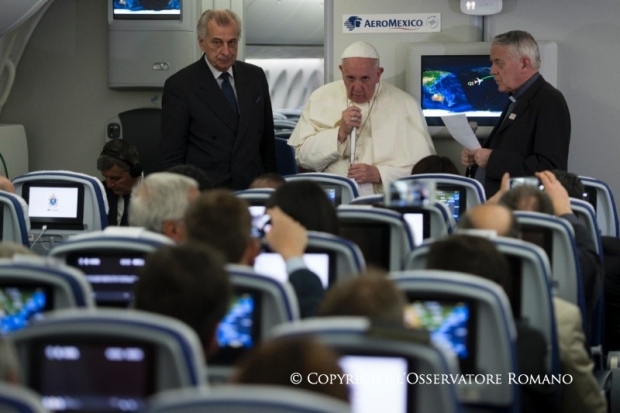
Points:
(147, 9)
(236, 328)
(460, 84)
(451, 323)
(239, 330)
(20, 304)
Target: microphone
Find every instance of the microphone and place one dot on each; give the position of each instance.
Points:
(43, 229)
(353, 142)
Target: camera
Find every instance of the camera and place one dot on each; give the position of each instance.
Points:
(526, 180)
(261, 222)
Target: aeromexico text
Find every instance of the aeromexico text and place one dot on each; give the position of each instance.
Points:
(394, 23)
(435, 379)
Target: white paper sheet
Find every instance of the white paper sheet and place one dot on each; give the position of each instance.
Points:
(459, 128)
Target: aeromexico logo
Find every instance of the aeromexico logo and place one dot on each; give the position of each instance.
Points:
(391, 23)
(353, 22)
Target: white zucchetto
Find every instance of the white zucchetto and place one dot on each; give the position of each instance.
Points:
(360, 49)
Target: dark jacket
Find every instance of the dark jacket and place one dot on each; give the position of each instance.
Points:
(200, 128)
(535, 137)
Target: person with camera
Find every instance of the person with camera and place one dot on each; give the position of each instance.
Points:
(549, 196)
(223, 221)
(584, 393)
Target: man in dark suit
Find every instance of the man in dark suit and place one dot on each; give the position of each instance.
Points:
(119, 163)
(533, 132)
(216, 113)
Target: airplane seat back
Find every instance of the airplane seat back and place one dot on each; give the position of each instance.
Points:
(61, 204)
(531, 285)
(602, 199)
(383, 235)
(457, 192)
(14, 220)
(374, 351)
(259, 304)
(19, 399)
(345, 257)
(110, 260)
(233, 398)
(339, 189)
(129, 355)
(481, 311)
(142, 127)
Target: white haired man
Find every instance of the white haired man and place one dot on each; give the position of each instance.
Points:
(160, 201)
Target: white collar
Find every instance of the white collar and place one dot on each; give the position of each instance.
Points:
(216, 73)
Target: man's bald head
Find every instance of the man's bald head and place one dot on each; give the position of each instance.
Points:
(494, 217)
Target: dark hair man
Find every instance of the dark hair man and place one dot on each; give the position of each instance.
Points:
(119, 163)
(187, 282)
(223, 221)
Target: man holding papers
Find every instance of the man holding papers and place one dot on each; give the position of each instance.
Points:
(533, 132)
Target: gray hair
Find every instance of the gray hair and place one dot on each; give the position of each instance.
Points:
(160, 197)
(520, 44)
(222, 17)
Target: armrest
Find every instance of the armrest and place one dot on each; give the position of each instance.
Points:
(604, 379)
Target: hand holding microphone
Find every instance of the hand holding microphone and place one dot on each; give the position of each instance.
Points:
(351, 118)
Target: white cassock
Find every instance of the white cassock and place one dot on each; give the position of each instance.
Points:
(393, 135)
